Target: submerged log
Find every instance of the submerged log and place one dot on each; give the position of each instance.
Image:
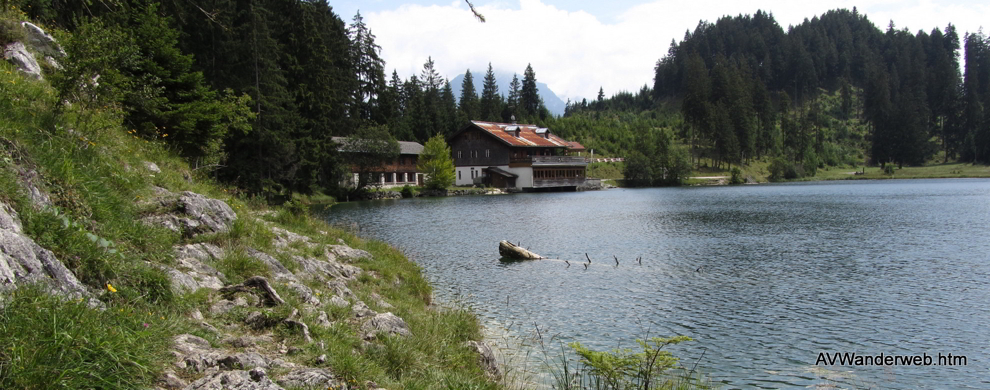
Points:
(513, 251)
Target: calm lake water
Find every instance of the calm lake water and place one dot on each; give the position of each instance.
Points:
(763, 277)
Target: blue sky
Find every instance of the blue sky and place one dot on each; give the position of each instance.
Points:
(578, 46)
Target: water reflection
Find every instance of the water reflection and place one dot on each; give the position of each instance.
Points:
(764, 277)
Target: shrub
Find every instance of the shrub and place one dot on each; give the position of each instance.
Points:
(408, 191)
(781, 169)
(736, 177)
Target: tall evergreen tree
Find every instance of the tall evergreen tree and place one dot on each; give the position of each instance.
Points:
(370, 70)
(468, 106)
(512, 107)
(491, 100)
(529, 96)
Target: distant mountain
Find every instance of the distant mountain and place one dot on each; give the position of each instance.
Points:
(503, 79)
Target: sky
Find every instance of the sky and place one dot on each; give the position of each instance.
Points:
(577, 47)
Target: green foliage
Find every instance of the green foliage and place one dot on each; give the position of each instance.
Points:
(51, 342)
(10, 29)
(658, 160)
(237, 266)
(781, 169)
(736, 176)
(437, 164)
(408, 191)
(621, 369)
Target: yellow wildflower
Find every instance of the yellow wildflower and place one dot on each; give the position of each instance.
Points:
(110, 288)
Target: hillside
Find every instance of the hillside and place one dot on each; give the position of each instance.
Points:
(833, 91)
(124, 267)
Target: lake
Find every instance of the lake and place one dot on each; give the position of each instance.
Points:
(766, 278)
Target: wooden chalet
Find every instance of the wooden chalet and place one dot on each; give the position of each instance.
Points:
(516, 156)
(398, 173)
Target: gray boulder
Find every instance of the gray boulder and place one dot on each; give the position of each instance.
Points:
(256, 379)
(244, 361)
(22, 261)
(192, 271)
(17, 54)
(194, 353)
(309, 378)
(43, 43)
(487, 360)
(210, 215)
(347, 253)
(384, 324)
(192, 214)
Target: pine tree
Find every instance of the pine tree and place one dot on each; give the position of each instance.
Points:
(370, 71)
(468, 106)
(512, 103)
(491, 100)
(530, 103)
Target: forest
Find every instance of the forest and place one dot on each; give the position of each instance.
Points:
(252, 92)
(832, 91)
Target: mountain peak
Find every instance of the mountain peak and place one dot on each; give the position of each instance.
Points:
(553, 102)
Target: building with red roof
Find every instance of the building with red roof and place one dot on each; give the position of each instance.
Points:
(516, 156)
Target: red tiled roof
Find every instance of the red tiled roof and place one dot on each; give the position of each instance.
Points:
(528, 135)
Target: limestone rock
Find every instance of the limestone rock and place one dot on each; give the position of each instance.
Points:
(309, 378)
(338, 301)
(16, 53)
(360, 309)
(244, 361)
(239, 380)
(348, 253)
(192, 272)
(195, 353)
(212, 215)
(486, 357)
(22, 261)
(278, 270)
(324, 320)
(284, 237)
(384, 324)
(152, 167)
(192, 214)
(380, 301)
(43, 43)
(324, 269)
(31, 181)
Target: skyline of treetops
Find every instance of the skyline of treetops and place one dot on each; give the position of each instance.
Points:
(256, 89)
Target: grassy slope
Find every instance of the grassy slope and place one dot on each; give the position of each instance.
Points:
(95, 173)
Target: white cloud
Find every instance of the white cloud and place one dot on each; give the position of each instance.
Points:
(575, 53)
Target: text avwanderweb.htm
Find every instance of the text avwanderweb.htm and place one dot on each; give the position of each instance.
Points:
(854, 359)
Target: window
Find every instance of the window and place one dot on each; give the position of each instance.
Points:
(458, 154)
(458, 172)
(488, 153)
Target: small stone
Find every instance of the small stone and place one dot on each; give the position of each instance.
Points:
(258, 373)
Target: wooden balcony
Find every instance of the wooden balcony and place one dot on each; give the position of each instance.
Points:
(557, 161)
(551, 183)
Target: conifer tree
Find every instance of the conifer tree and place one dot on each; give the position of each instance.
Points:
(529, 96)
(468, 106)
(491, 100)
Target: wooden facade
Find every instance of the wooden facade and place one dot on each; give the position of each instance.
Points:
(401, 172)
(521, 157)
